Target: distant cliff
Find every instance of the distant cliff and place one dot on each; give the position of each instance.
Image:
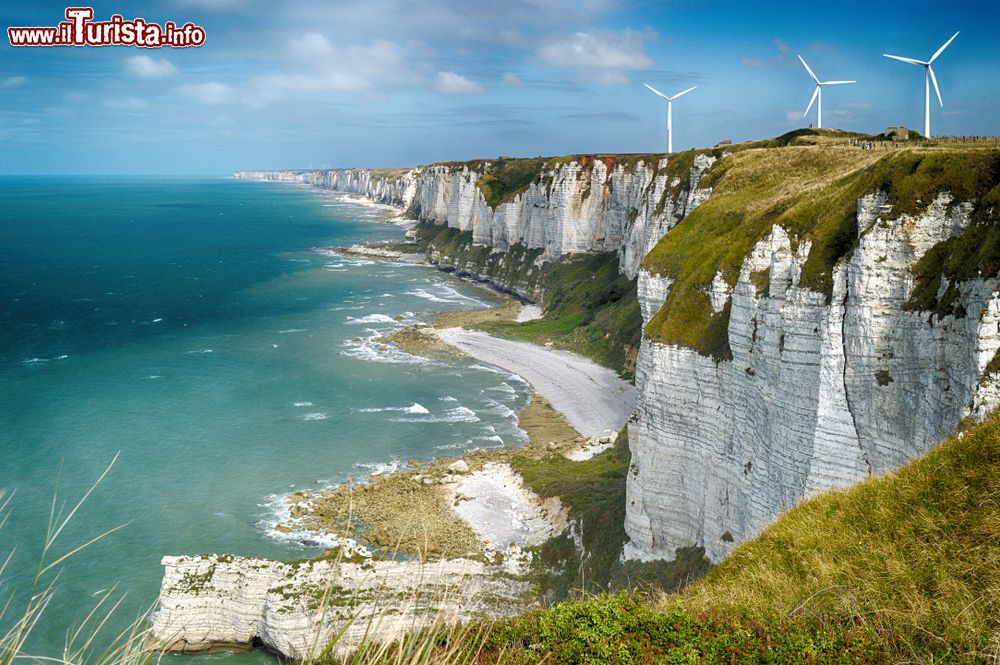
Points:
(619, 203)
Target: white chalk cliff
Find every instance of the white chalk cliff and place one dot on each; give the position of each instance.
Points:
(210, 603)
(818, 394)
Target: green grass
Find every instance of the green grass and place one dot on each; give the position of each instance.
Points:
(589, 307)
(912, 557)
(623, 629)
(812, 192)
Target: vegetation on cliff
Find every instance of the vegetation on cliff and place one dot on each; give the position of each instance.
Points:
(812, 191)
(589, 306)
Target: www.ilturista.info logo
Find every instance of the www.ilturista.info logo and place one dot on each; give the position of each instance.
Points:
(79, 29)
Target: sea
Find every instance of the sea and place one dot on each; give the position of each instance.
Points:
(196, 332)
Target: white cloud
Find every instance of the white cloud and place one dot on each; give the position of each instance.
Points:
(207, 93)
(311, 45)
(321, 65)
(602, 57)
(13, 81)
(512, 79)
(126, 103)
(450, 83)
(146, 67)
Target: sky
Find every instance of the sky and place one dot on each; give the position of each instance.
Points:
(311, 84)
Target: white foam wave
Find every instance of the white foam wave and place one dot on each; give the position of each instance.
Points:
(292, 330)
(301, 404)
(196, 351)
(413, 408)
(379, 468)
(42, 361)
(371, 318)
(373, 350)
(319, 415)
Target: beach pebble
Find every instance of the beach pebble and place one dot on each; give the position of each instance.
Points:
(459, 466)
(428, 481)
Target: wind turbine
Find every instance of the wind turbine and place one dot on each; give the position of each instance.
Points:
(670, 113)
(928, 79)
(818, 94)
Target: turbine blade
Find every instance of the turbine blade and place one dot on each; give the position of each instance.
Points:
(682, 93)
(902, 59)
(808, 70)
(812, 101)
(941, 50)
(936, 89)
(837, 82)
(656, 92)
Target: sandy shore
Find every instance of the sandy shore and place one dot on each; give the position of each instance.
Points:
(592, 398)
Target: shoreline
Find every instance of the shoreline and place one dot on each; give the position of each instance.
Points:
(566, 388)
(474, 518)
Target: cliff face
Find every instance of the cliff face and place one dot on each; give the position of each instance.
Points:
(817, 394)
(810, 360)
(210, 603)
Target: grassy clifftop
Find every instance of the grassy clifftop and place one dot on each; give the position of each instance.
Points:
(809, 185)
(912, 558)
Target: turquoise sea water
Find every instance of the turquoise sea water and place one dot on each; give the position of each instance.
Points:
(193, 326)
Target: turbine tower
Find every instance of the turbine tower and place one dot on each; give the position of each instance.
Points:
(928, 79)
(818, 94)
(670, 113)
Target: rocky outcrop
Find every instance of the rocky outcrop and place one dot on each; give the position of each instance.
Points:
(213, 602)
(818, 394)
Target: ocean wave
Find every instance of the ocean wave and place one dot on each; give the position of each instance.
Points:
(379, 468)
(447, 398)
(371, 318)
(445, 294)
(301, 404)
(501, 410)
(292, 330)
(413, 408)
(197, 351)
(459, 414)
(372, 349)
(42, 361)
(319, 415)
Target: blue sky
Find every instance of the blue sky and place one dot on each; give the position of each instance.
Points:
(401, 82)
